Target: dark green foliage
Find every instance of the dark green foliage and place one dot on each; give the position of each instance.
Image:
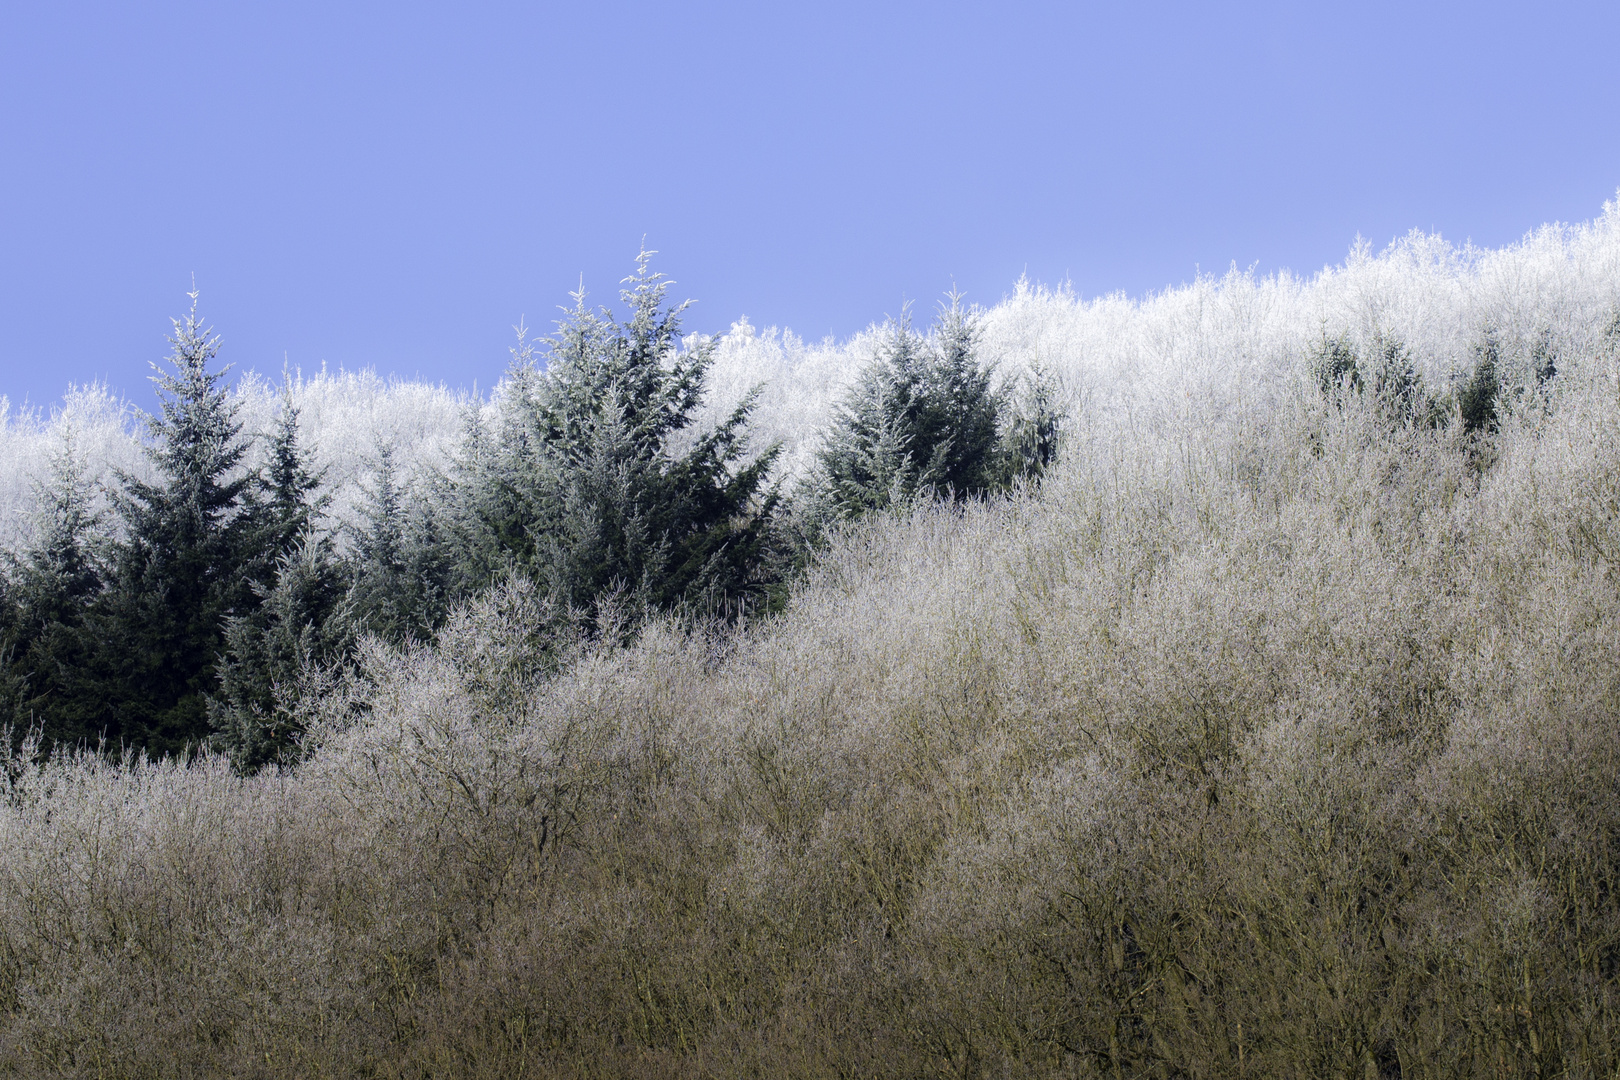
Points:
(13, 681)
(179, 571)
(1397, 387)
(49, 593)
(1335, 365)
(301, 620)
(921, 421)
(481, 514)
(1035, 432)
(952, 413)
(399, 587)
(1478, 395)
(283, 503)
(869, 461)
(302, 623)
(583, 489)
(1384, 373)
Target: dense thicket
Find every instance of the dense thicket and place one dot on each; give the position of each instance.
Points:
(1275, 732)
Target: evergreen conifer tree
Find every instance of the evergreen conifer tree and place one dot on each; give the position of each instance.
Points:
(1035, 432)
(301, 619)
(399, 562)
(485, 509)
(957, 414)
(922, 420)
(377, 592)
(1337, 372)
(51, 590)
(303, 622)
(583, 492)
(1545, 360)
(1478, 394)
(283, 503)
(1388, 370)
(13, 682)
(178, 573)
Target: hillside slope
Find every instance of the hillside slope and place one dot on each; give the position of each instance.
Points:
(1276, 734)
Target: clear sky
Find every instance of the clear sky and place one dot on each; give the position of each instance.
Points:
(396, 184)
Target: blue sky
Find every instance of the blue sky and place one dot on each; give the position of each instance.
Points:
(394, 185)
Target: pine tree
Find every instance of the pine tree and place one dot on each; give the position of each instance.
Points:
(1478, 394)
(178, 574)
(302, 624)
(921, 421)
(52, 589)
(582, 491)
(398, 587)
(1035, 433)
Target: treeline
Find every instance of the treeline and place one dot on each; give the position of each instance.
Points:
(211, 599)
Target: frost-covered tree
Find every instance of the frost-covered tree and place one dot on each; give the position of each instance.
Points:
(1384, 373)
(921, 420)
(302, 623)
(1478, 394)
(1336, 368)
(302, 618)
(284, 501)
(49, 593)
(399, 571)
(586, 489)
(179, 571)
(1034, 431)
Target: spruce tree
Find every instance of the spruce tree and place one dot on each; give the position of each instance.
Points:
(378, 559)
(1544, 359)
(1336, 368)
(52, 588)
(399, 561)
(13, 682)
(302, 623)
(178, 573)
(957, 413)
(301, 619)
(1478, 394)
(485, 512)
(1386, 372)
(283, 503)
(922, 421)
(583, 490)
(1035, 430)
